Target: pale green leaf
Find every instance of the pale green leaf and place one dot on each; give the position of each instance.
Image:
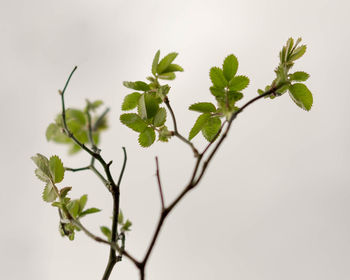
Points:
(299, 76)
(43, 164)
(203, 107)
(120, 217)
(298, 52)
(107, 232)
(164, 134)
(56, 169)
(217, 77)
(165, 62)
(138, 85)
(217, 92)
(73, 207)
(147, 106)
(167, 76)
(147, 137)
(301, 95)
(211, 128)
(89, 211)
(173, 68)
(133, 121)
(230, 67)
(198, 125)
(126, 226)
(130, 101)
(49, 193)
(77, 115)
(42, 176)
(82, 202)
(155, 63)
(160, 117)
(239, 83)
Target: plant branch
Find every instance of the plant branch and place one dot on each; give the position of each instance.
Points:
(176, 132)
(159, 185)
(77, 169)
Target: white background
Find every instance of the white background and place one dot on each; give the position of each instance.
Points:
(274, 203)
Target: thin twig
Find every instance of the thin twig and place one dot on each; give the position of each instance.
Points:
(176, 132)
(77, 169)
(159, 184)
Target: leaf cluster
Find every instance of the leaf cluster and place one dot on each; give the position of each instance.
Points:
(77, 122)
(147, 99)
(290, 82)
(227, 89)
(51, 171)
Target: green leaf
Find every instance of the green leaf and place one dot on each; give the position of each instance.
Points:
(297, 53)
(74, 208)
(155, 63)
(173, 68)
(148, 106)
(126, 226)
(82, 202)
(160, 117)
(49, 193)
(106, 231)
(217, 77)
(147, 137)
(138, 85)
(301, 95)
(164, 134)
(89, 211)
(120, 217)
(239, 83)
(165, 62)
(64, 191)
(198, 125)
(94, 105)
(56, 169)
(130, 101)
(76, 115)
(203, 107)
(167, 76)
(234, 96)
(230, 67)
(42, 176)
(217, 92)
(133, 121)
(42, 163)
(299, 76)
(211, 128)
(52, 131)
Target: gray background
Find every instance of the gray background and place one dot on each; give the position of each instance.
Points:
(273, 205)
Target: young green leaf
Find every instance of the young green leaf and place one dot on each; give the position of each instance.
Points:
(198, 125)
(49, 193)
(107, 232)
(76, 116)
(82, 202)
(120, 217)
(203, 107)
(167, 76)
(138, 85)
(173, 68)
(217, 77)
(126, 226)
(299, 76)
(56, 169)
(160, 117)
(89, 211)
(165, 62)
(73, 207)
(42, 176)
(211, 128)
(164, 134)
(230, 67)
(217, 92)
(130, 101)
(133, 121)
(43, 164)
(239, 83)
(301, 95)
(148, 106)
(147, 137)
(64, 191)
(155, 63)
(298, 52)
